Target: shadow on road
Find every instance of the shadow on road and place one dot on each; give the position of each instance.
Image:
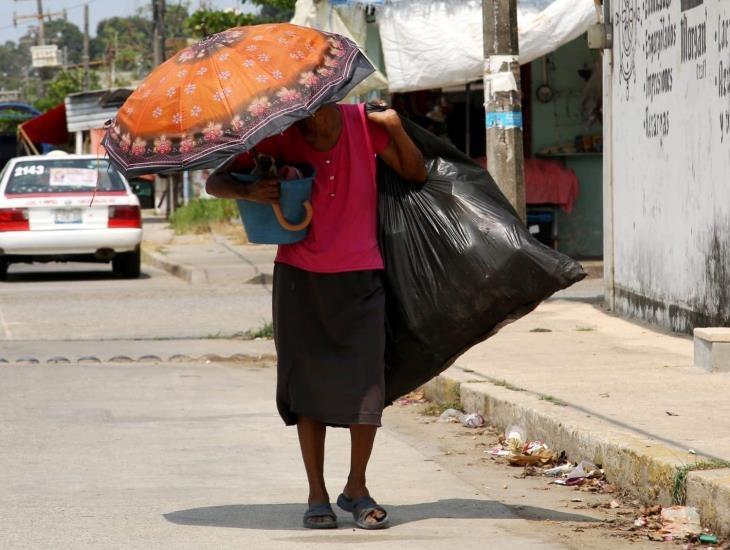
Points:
(63, 276)
(288, 517)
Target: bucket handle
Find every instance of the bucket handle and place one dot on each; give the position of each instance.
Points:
(290, 226)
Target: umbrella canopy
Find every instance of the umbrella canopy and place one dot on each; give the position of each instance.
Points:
(226, 93)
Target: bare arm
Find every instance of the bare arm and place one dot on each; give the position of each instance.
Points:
(220, 184)
(401, 155)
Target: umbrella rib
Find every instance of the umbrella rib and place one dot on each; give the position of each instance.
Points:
(223, 96)
(183, 115)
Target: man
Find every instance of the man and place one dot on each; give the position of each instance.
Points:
(328, 296)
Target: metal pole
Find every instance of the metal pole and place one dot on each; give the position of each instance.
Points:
(41, 24)
(113, 61)
(158, 45)
(161, 34)
(609, 233)
(503, 102)
(86, 47)
(186, 187)
(158, 50)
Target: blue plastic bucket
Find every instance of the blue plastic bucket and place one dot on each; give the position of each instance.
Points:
(260, 220)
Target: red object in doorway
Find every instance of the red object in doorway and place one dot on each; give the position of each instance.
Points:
(548, 182)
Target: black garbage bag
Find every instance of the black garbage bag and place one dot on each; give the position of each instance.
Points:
(459, 264)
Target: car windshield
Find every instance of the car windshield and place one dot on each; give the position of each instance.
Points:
(60, 175)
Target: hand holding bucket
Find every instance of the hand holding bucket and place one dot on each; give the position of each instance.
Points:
(285, 221)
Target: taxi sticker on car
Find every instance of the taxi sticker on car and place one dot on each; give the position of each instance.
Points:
(76, 177)
(29, 170)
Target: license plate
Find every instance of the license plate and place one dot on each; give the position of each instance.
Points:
(68, 216)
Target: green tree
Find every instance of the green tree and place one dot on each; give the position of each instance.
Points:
(14, 61)
(274, 11)
(205, 22)
(63, 84)
(175, 17)
(133, 36)
(66, 35)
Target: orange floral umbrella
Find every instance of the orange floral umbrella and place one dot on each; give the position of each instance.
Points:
(226, 93)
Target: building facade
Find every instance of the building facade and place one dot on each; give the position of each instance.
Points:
(667, 176)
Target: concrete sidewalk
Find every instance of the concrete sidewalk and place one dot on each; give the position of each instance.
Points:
(622, 394)
(206, 259)
(619, 393)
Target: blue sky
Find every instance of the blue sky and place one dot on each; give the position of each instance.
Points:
(98, 9)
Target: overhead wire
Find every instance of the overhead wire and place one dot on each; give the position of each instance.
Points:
(69, 8)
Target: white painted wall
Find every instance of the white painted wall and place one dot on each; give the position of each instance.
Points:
(670, 144)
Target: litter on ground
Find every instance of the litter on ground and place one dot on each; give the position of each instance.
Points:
(680, 522)
(450, 415)
(473, 420)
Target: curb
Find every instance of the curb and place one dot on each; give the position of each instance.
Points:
(647, 469)
(145, 359)
(249, 274)
(187, 273)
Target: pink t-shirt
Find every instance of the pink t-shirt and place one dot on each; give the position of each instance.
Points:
(343, 233)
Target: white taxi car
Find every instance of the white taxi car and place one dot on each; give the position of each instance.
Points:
(61, 207)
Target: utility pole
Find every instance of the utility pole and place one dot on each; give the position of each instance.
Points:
(41, 24)
(158, 49)
(158, 34)
(85, 58)
(503, 101)
(111, 59)
(39, 16)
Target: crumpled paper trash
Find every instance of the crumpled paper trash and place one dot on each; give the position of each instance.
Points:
(680, 522)
(472, 420)
(450, 415)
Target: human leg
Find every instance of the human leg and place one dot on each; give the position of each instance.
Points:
(362, 437)
(311, 442)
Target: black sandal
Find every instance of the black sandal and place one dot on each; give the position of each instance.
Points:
(361, 508)
(320, 511)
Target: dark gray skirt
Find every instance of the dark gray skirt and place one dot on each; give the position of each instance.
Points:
(329, 331)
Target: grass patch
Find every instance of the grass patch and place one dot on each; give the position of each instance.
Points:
(679, 492)
(220, 335)
(585, 329)
(553, 400)
(538, 329)
(435, 409)
(265, 331)
(506, 385)
(201, 215)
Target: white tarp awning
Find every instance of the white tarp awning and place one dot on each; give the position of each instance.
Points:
(438, 43)
(346, 22)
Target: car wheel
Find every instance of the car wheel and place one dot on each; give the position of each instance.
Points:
(3, 270)
(127, 264)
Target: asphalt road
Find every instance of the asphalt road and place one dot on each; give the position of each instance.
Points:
(192, 455)
(85, 301)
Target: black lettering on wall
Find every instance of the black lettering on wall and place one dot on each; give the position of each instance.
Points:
(693, 40)
(656, 124)
(658, 82)
(661, 39)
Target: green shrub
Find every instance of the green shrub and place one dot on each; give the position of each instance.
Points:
(198, 215)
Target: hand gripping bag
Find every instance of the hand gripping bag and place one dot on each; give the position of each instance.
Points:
(459, 264)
